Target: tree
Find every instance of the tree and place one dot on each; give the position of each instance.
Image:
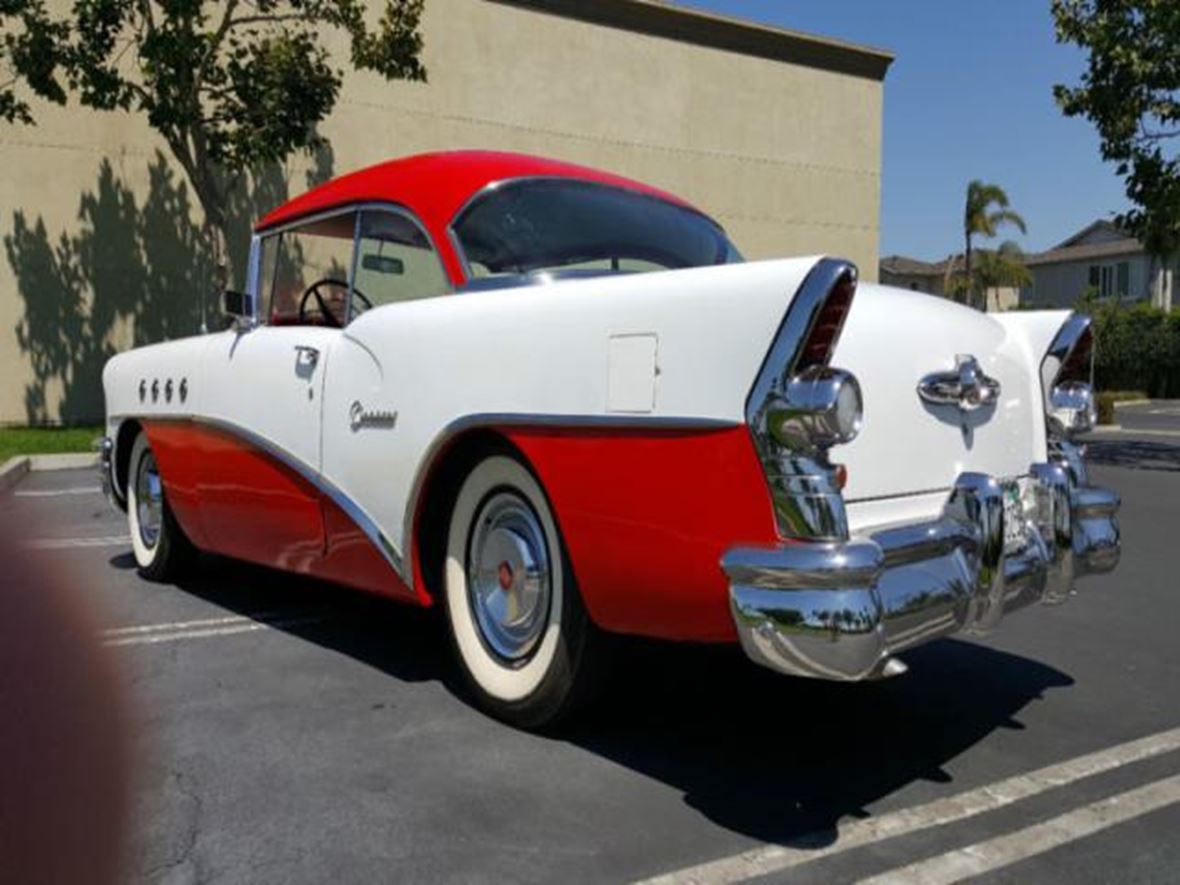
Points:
(985, 212)
(230, 86)
(29, 53)
(1130, 91)
(1001, 268)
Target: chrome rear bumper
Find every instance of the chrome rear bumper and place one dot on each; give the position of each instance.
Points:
(839, 610)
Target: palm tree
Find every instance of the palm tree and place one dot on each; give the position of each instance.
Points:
(1003, 268)
(985, 213)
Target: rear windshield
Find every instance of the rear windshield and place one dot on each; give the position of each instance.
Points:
(565, 227)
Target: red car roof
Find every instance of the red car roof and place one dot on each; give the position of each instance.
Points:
(436, 186)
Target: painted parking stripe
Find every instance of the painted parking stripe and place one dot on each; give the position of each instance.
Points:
(57, 493)
(77, 543)
(1002, 851)
(170, 626)
(1131, 431)
(777, 858)
(153, 634)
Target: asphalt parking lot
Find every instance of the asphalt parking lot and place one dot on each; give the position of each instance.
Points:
(297, 732)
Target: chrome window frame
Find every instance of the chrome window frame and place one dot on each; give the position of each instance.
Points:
(500, 184)
(255, 265)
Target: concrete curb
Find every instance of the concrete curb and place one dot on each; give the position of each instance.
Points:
(17, 468)
(1132, 402)
(64, 461)
(13, 471)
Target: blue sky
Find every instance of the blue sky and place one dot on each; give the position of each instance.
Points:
(969, 96)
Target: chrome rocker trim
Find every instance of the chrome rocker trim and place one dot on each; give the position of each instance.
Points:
(840, 610)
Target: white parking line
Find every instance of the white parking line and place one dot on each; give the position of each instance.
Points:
(1002, 851)
(1127, 431)
(57, 493)
(777, 858)
(77, 543)
(152, 634)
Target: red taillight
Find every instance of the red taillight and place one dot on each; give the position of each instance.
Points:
(841, 476)
(825, 331)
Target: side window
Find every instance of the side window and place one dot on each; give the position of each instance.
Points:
(266, 271)
(310, 271)
(395, 262)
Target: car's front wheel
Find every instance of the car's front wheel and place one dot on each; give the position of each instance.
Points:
(161, 549)
(525, 643)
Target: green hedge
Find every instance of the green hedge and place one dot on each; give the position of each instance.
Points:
(1106, 399)
(1137, 349)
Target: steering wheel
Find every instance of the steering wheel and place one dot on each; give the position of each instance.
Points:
(330, 319)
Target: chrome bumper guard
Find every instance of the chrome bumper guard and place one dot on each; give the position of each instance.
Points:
(106, 449)
(840, 610)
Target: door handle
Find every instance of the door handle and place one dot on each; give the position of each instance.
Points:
(308, 354)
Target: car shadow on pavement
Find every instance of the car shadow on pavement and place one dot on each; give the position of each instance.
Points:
(404, 641)
(1135, 454)
(775, 759)
(783, 760)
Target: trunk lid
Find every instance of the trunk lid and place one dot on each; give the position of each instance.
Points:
(894, 338)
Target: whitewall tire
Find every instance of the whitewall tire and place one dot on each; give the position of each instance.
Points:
(160, 547)
(524, 641)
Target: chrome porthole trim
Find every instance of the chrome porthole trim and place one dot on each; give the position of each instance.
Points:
(149, 501)
(509, 584)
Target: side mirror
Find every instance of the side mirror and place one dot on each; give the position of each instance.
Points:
(239, 306)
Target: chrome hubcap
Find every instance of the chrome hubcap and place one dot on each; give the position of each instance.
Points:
(508, 576)
(149, 501)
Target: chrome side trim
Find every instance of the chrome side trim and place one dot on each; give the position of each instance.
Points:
(338, 496)
(840, 610)
(505, 419)
(402, 561)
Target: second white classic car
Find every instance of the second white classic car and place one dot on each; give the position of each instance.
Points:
(558, 404)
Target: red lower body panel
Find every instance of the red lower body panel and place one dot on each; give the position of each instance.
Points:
(236, 500)
(646, 516)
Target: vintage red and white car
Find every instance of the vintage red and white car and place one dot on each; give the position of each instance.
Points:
(558, 404)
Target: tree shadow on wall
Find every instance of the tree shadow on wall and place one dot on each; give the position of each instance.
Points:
(136, 271)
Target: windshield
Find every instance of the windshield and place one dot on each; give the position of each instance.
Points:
(565, 227)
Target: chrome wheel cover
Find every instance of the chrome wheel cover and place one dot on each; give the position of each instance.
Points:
(149, 501)
(508, 577)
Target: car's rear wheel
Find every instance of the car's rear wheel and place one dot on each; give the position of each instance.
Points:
(526, 646)
(161, 549)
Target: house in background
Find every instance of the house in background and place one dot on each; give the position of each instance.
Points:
(934, 279)
(1102, 258)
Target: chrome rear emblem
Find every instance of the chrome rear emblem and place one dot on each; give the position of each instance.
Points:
(966, 386)
(359, 417)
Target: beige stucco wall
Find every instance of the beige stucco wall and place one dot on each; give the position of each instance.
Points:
(786, 156)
